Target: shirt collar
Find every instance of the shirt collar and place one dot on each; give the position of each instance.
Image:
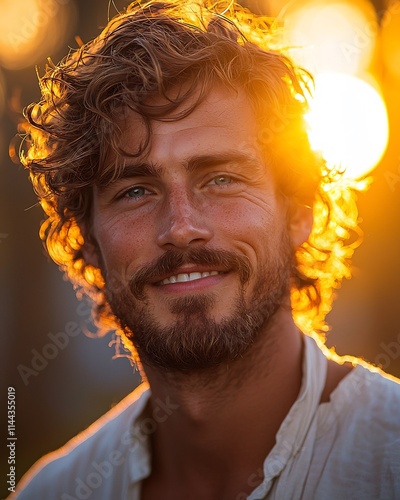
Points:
(138, 446)
(296, 425)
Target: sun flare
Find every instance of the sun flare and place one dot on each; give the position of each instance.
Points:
(348, 123)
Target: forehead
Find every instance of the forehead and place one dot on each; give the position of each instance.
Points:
(223, 120)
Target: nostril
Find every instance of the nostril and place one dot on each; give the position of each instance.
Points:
(184, 232)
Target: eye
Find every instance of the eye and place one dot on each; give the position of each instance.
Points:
(222, 180)
(136, 192)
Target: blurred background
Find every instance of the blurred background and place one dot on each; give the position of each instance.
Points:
(65, 380)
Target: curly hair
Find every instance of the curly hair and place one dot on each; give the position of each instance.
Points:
(147, 51)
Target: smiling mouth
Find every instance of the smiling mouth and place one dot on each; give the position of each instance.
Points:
(184, 277)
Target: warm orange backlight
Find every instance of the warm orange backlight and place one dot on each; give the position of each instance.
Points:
(348, 123)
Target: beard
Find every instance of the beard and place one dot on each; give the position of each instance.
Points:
(196, 341)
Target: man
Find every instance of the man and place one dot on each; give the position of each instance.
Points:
(171, 158)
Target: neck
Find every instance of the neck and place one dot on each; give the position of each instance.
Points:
(238, 406)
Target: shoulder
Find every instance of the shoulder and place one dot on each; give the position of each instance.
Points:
(367, 389)
(365, 409)
(364, 392)
(100, 450)
(358, 435)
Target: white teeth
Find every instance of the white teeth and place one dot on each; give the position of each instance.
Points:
(181, 278)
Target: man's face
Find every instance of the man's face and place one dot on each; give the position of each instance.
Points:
(192, 238)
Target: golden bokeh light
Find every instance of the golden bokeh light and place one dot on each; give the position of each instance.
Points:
(391, 39)
(348, 123)
(332, 35)
(30, 30)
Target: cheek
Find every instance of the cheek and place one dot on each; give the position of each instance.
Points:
(255, 231)
(243, 219)
(124, 245)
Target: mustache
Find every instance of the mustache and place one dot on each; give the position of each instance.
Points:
(170, 262)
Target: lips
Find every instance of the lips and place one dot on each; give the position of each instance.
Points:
(185, 277)
(193, 264)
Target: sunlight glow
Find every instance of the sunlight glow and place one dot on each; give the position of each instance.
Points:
(348, 123)
(32, 29)
(390, 39)
(332, 35)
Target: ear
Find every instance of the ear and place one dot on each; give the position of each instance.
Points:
(90, 254)
(300, 224)
(90, 249)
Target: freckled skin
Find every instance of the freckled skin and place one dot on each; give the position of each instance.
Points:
(181, 208)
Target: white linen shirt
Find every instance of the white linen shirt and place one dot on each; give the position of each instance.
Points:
(347, 448)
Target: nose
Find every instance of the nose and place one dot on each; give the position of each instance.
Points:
(183, 222)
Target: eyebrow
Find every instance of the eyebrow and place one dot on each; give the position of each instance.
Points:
(129, 170)
(148, 169)
(217, 159)
(142, 169)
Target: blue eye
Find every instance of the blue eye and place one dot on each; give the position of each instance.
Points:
(222, 180)
(136, 192)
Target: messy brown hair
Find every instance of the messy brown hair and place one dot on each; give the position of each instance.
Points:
(147, 51)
